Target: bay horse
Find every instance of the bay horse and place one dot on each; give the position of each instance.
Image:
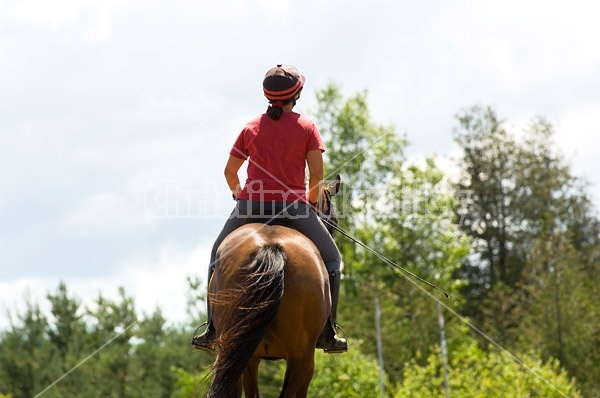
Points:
(270, 299)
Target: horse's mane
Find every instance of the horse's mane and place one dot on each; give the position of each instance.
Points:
(253, 306)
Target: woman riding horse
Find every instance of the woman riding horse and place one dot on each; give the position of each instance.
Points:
(278, 146)
(270, 298)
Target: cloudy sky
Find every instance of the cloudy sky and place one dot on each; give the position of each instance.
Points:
(116, 117)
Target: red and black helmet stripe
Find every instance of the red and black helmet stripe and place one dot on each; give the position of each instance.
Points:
(283, 94)
(282, 82)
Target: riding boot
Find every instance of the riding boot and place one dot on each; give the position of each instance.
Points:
(329, 341)
(206, 340)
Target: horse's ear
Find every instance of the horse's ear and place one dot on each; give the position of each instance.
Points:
(335, 185)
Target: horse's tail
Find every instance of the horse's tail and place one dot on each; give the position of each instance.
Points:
(252, 308)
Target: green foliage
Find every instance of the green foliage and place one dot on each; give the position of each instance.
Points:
(489, 164)
(190, 385)
(557, 310)
(536, 240)
(402, 211)
(195, 295)
(103, 351)
(475, 373)
(25, 354)
(517, 190)
(344, 375)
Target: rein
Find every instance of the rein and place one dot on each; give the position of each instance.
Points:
(381, 256)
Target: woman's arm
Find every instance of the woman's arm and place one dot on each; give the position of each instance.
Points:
(314, 159)
(231, 174)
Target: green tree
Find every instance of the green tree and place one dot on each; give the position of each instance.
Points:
(487, 212)
(25, 354)
(348, 375)
(190, 384)
(475, 373)
(548, 196)
(69, 337)
(196, 299)
(515, 190)
(102, 351)
(399, 209)
(557, 311)
(115, 324)
(536, 243)
(68, 328)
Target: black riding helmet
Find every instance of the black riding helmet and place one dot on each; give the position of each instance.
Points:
(282, 83)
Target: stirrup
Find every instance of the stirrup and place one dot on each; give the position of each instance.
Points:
(200, 342)
(338, 338)
(338, 327)
(334, 344)
(203, 324)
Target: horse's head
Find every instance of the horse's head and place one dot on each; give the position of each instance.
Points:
(326, 210)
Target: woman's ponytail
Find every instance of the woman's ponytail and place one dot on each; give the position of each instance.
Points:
(274, 112)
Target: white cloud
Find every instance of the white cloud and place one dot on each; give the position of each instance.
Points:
(579, 130)
(523, 43)
(105, 213)
(15, 293)
(81, 20)
(578, 138)
(100, 27)
(52, 14)
(224, 10)
(160, 282)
